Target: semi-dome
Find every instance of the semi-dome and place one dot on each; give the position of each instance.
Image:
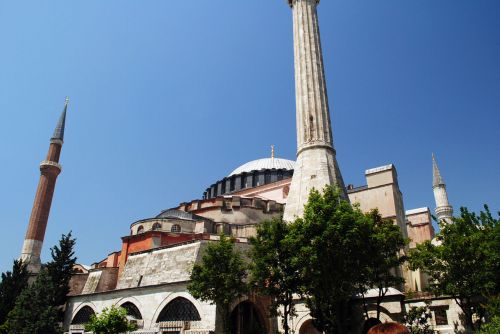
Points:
(267, 163)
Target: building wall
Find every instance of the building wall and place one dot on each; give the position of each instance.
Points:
(160, 266)
(446, 306)
(420, 227)
(149, 300)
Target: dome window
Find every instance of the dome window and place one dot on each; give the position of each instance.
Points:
(176, 228)
(156, 227)
(140, 229)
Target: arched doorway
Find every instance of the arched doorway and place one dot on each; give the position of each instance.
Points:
(308, 328)
(82, 316)
(246, 319)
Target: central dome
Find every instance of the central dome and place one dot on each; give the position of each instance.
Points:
(268, 163)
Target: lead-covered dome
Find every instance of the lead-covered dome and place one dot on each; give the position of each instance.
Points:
(267, 163)
(250, 175)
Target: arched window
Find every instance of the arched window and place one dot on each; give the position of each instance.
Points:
(156, 227)
(140, 229)
(132, 310)
(176, 228)
(82, 316)
(179, 309)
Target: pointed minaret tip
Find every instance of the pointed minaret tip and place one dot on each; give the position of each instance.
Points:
(272, 151)
(58, 135)
(436, 175)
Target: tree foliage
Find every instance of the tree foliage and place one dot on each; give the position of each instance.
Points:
(220, 277)
(417, 320)
(13, 282)
(330, 251)
(38, 308)
(34, 311)
(273, 270)
(111, 320)
(60, 269)
(384, 246)
(464, 263)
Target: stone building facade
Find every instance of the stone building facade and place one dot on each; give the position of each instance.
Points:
(149, 273)
(152, 267)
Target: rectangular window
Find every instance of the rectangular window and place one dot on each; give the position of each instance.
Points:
(440, 316)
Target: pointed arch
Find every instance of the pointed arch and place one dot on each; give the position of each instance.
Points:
(83, 315)
(132, 310)
(179, 309)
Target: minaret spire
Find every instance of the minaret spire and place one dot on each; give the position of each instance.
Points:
(61, 124)
(436, 175)
(49, 170)
(444, 211)
(316, 164)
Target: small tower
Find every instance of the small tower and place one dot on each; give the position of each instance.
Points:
(316, 164)
(49, 170)
(444, 211)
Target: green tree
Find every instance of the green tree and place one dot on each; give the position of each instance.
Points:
(60, 269)
(492, 327)
(12, 284)
(385, 248)
(417, 320)
(34, 312)
(220, 277)
(111, 320)
(464, 262)
(273, 269)
(330, 243)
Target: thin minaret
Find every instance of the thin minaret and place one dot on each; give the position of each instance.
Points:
(49, 170)
(316, 164)
(444, 211)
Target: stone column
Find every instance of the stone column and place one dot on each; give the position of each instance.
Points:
(316, 164)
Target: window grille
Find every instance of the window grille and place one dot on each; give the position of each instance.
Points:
(179, 309)
(83, 316)
(132, 310)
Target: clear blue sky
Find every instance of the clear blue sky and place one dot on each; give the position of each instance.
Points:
(169, 96)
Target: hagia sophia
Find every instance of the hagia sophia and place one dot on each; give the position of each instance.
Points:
(148, 274)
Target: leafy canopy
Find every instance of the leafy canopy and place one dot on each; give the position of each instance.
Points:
(385, 247)
(220, 276)
(111, 320)
(273, 270)
(330, 243)
(13, 282)
(464, 262)
(34, 311)
(60, 268)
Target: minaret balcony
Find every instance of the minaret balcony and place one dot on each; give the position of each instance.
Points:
(48, 163)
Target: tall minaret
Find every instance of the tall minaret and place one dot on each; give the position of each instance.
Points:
(316, 164)
(50, 169)
(444, 211)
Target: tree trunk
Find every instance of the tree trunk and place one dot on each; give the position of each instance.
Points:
(286, 312)
(365, 307)
(226, 319)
